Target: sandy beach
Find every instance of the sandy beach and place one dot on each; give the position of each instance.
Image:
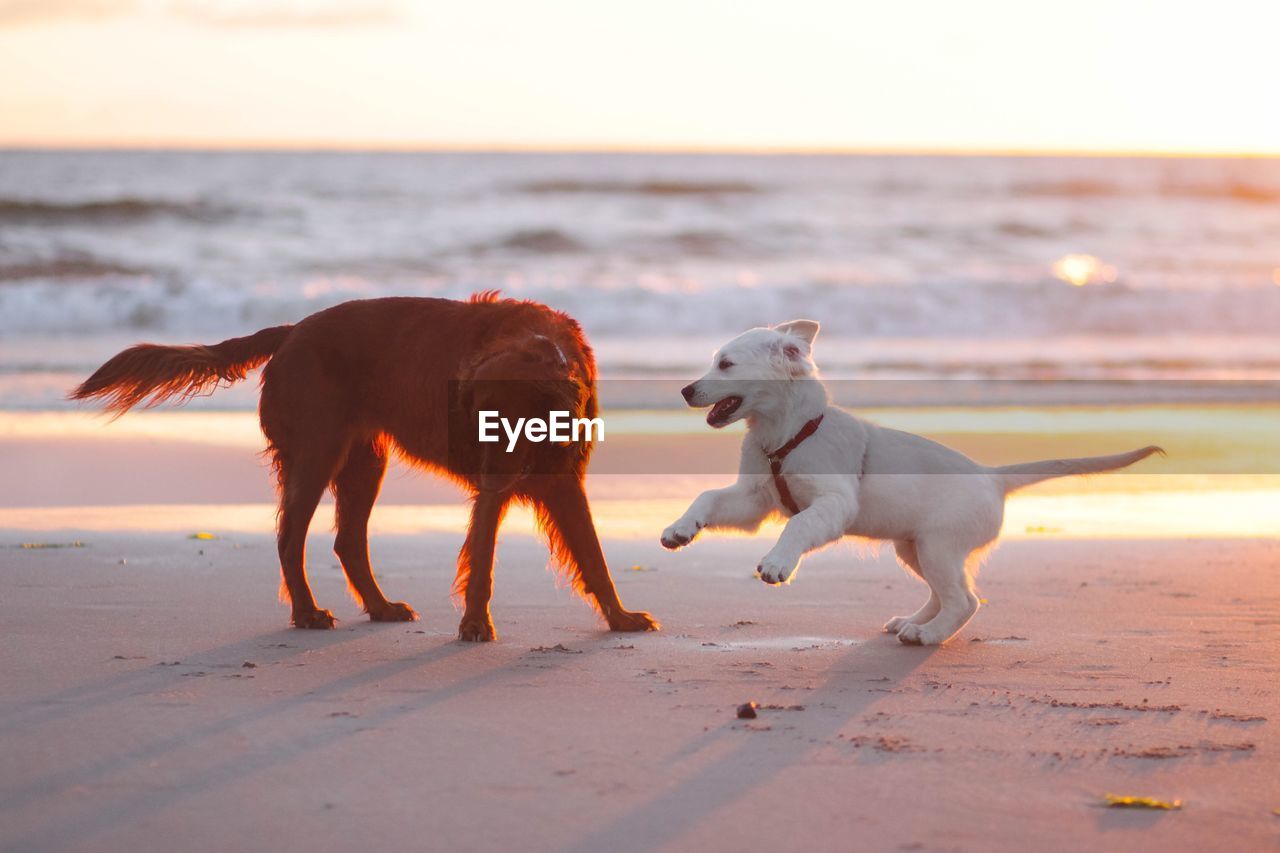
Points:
(152, 689)
(1032, 233)
(165, 698)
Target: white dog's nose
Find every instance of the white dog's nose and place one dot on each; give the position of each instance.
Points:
(688, 391)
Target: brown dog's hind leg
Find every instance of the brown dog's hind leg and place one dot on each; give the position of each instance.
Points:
(475, 566)
(302, 484)
(356, 488)
(570, 526)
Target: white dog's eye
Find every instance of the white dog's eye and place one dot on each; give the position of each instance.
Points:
(725, 364)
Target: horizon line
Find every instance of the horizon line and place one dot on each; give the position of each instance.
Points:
(300, 146)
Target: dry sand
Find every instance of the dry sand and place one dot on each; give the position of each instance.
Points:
(162, 704)
(152, 697)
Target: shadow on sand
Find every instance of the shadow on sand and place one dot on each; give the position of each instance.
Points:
(749, 768)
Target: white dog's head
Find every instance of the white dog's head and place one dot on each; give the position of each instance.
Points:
(750, 374)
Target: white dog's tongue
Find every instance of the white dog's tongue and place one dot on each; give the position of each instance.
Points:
(722, 410)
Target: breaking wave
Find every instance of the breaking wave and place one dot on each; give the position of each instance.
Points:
(1238, 191)
(207, 306)
(641, 188)
(68, 266)
(116, 211)
(538, 241)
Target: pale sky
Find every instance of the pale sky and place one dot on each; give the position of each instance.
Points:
(1086, 75)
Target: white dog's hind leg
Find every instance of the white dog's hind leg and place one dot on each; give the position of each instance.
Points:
(943, 566)
(906, 550)
(823, 522)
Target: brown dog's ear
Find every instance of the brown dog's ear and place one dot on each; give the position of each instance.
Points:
(542, 349)
(805, 330)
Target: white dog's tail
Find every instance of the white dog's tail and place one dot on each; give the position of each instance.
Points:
(1020, 476)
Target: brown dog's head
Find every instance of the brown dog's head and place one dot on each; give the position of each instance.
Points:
(527, 376)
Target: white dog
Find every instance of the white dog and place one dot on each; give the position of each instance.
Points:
(834, 474)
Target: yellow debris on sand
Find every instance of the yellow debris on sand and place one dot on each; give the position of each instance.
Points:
(1117, 801)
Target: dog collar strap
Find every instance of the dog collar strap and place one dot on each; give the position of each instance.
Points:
(805, 431)
(775, 463)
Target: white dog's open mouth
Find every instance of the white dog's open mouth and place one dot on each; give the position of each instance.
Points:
(722, 411)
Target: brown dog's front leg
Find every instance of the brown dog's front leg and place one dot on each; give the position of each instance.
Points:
(570, 517)
(475, 566)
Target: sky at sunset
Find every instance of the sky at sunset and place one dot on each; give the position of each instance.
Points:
(801, 74)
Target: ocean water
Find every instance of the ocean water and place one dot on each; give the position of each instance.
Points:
(918, 267)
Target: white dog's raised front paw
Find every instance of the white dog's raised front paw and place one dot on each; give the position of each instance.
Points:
(774, 569)
(912, 634)
(680, 534)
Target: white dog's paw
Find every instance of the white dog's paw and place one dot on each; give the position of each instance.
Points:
(776, 570)
(680, 534)
(896, 624)
(912, 634)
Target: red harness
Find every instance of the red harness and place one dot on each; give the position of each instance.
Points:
(776, 457)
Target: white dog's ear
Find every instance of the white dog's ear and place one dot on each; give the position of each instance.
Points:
(805, 330)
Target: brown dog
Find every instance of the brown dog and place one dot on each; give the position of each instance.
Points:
(347, 385)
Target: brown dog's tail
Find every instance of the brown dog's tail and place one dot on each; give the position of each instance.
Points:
(163, 372)
(1026, 474)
